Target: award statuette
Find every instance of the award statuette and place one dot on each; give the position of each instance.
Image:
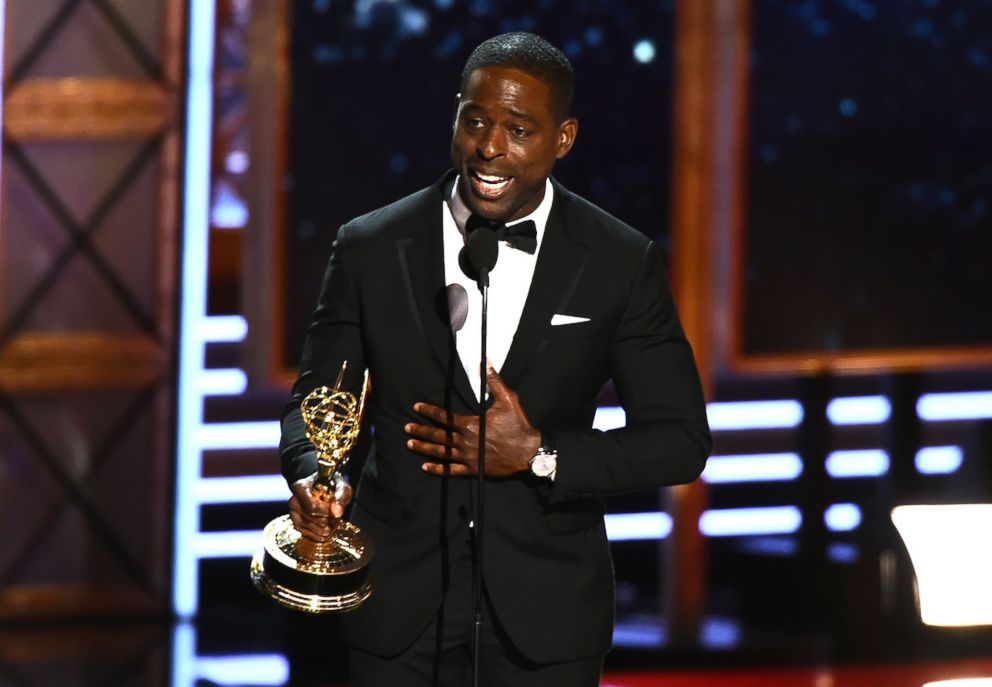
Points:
(332, 575)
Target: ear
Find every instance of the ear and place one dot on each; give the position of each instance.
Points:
(567, 131)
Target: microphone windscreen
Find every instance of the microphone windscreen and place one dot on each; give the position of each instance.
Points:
(479, 253)
(457, 306)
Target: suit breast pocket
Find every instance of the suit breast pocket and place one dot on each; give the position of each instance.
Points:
(576, 330)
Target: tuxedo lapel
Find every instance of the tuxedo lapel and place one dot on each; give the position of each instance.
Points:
(560, 263)
(421, 259)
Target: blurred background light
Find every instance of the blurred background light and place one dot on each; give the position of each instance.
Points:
(951, 552)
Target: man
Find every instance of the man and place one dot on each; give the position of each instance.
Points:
(586, 301)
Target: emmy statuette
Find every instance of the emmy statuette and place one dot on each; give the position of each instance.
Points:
(332, 575)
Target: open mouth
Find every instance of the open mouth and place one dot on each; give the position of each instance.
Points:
(488, 185)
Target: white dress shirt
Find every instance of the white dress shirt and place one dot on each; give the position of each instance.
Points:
(509, 283)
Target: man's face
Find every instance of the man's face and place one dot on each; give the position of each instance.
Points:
(506, 141)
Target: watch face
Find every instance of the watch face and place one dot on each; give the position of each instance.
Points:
(544, 464)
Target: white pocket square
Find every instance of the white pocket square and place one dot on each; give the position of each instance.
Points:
(559, 319)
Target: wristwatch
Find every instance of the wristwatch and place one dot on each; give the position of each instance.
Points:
(545, 461)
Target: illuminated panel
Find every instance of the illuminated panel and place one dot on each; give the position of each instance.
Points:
(859, 410)
(249, 489)
(871, 462)
(963, 682)
(740, 415)
(758, 467)
(219, 382)
(736, 522)
(224, 328)
(189, 670)
(193, 312)
(939, 460)
(952, 558)
(842, 517)
(238, 435)
(970, 405)
(754, 415)
(634, 526)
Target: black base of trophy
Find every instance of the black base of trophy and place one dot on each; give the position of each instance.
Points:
(336, 579)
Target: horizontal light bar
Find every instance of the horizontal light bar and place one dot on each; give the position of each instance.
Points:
(949, 548)
(238, 435)
(247, 489)
(227, 544)
(842, 552)
(714, 633)
(771, 546)
(223, 328)
(962, 682)
(871, 462)
(939, 460)
(842, 517)
(635, 526)
(757, 467)
(259, 669)
(720, 633)
(735, 522)
(966, 405)
(859, 410)
(222, 382)
(754, 414)
(609, 417)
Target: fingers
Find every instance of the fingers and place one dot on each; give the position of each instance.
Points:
(447, 469)
(497, 387)
(435, 435)
(442, 451)
(313, 523)
(438, 415)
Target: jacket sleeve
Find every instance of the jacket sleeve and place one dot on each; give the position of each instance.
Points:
(666, 439)
(334, 336)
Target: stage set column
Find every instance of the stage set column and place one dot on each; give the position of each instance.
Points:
(711, 64)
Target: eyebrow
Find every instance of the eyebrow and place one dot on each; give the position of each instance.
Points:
(474, 107)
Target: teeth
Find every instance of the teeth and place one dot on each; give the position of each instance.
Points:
(490, 180)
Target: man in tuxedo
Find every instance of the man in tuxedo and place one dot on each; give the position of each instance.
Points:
(577, 298)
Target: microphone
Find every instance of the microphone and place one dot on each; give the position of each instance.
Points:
(479, 255)
(457, 306)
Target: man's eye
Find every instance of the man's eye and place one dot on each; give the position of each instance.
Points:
(473, 123)
(518, 132)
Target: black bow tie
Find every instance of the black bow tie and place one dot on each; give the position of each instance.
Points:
(522, 235)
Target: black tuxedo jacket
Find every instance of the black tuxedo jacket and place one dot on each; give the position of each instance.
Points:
(547, 569)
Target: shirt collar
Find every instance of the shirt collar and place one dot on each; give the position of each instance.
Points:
(461, 213)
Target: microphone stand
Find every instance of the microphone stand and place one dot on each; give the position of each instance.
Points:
(479, 255)
(480, 520)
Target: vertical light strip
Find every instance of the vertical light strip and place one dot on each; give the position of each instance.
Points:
(3, 11)
(193, 311)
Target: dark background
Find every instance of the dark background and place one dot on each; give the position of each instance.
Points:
(870, 175)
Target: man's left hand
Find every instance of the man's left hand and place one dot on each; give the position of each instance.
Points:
(452, 443)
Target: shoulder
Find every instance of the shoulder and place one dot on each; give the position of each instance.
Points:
(597, 227)
(417, 211)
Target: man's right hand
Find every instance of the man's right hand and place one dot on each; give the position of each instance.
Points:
(313, 515)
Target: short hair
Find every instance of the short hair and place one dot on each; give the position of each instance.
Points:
(533, 55)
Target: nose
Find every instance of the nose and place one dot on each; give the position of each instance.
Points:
(492, 144)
